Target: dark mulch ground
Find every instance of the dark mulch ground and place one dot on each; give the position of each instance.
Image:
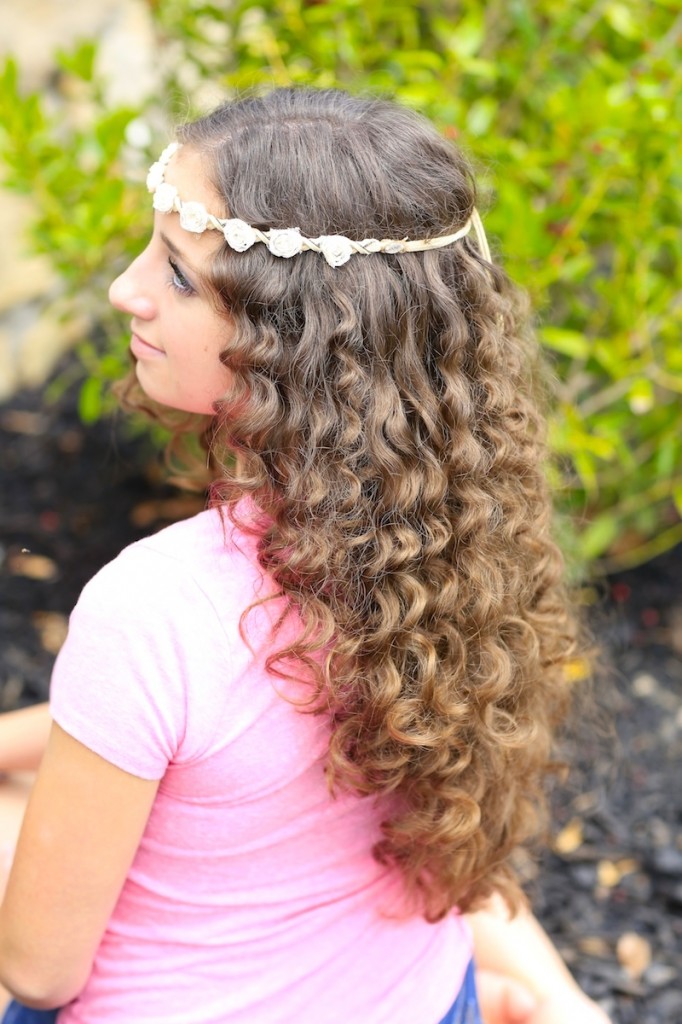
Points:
(611, 891)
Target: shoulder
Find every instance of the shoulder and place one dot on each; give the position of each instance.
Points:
(146, 633)
(156, 568)
(202, 560)
(204, 544)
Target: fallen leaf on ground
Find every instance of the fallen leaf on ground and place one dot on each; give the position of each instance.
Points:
(610, 872)
(634, 954)
(34, 567)
(52, 629)
(148, 512)
(570, 838)
(594, 945)
(20, 421)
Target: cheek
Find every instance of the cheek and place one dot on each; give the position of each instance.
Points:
(210, 373)
(215, 342)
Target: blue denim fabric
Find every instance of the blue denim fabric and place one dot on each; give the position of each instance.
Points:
(465, 1009)
(17, 1014)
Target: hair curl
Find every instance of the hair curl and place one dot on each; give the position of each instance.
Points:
(387, 422)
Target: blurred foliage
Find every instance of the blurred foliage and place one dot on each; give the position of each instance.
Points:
(572, 111)
(69, 158)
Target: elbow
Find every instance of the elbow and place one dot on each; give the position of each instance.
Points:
(34, 1003)
(37, 987)
(36, 997)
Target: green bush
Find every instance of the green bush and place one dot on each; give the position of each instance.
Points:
(572, 112)
(88, 220)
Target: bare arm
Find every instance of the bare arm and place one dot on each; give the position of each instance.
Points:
(518, 946)
(23, 738)
(82, 827)
(519, 949)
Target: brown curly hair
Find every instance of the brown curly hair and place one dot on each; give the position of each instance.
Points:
(386, 420)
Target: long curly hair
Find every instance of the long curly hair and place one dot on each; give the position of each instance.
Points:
(387, 419)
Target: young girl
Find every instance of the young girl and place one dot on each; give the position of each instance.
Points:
(294, 738)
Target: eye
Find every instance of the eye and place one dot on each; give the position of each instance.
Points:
(179, 282)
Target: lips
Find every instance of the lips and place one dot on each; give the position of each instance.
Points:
(141, 347)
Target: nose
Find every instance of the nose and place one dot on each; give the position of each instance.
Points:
(128, 293)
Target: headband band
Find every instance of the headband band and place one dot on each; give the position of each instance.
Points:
(287, 242)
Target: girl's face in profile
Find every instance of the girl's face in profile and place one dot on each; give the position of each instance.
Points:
(177, 334)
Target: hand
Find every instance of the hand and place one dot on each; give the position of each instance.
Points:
(567, 1007)
(23, 738)
(14, 793)
(504, 1000)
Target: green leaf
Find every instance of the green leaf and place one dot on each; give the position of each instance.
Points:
(596, 539)
(481, 115)
(465, 38)
(569, 343)
(622, 19)
(677, 498)
(668, 455)
(79, 62)
(641, 397)
(90, 400)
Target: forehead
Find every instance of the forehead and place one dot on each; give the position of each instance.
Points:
(188, 170)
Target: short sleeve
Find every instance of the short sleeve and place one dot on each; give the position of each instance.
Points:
(137, 641)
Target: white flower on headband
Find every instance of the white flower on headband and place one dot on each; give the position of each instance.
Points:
(171, 148)
(164, 197)
(238, 234)
(193, 217)
(336, 249)
(285, 242)
(155, 176)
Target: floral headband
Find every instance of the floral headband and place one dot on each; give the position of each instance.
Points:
(287, 242)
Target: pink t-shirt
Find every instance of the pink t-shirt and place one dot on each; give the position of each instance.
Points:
(254, 897)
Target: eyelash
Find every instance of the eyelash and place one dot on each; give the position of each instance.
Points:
(179, 282)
